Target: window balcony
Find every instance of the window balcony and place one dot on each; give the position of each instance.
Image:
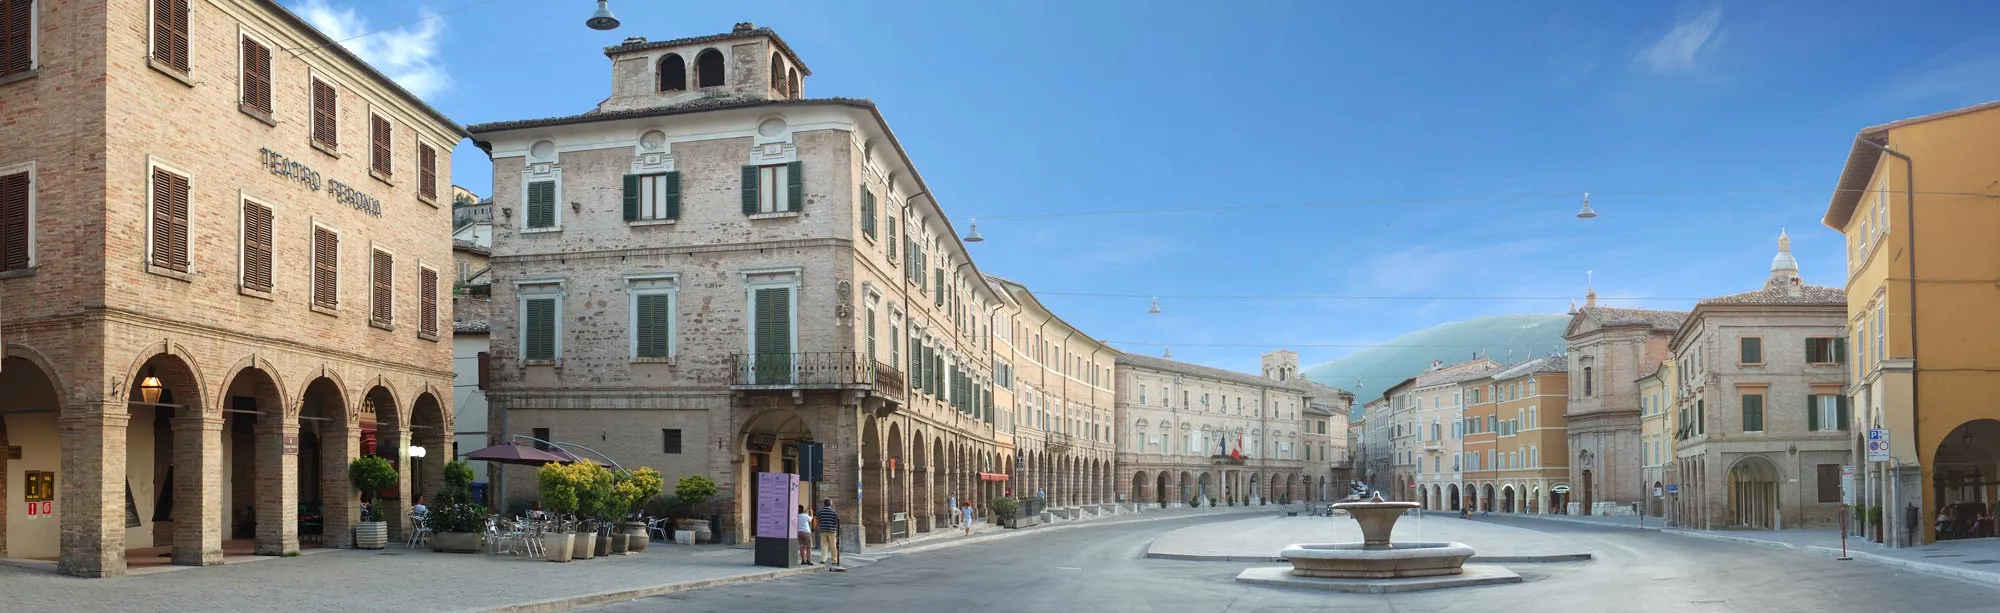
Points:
(828, 370)
(1058, 442)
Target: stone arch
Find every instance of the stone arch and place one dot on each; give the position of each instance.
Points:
(184, 460)
(183, 377)
(1753, 492)
(248, 362)
(1453, 497)
(42, 363)
(940, 477)
(430, 428)
(897, 492)
(1508, 499)
(920, 481)
(709, 69)
(778, 74)
(874, 497)
(31, 399)
(329, 438)
(256, 422)
(672, 72)
(792, 83)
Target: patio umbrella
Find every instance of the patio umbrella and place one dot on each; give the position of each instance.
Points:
(516, 453)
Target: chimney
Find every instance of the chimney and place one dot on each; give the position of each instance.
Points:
(635, 40)
(744, 27)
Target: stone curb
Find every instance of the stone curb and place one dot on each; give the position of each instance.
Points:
(1039, 528)
(1963, 574)
(571, 602)
(1587, 522)
(1477, 559)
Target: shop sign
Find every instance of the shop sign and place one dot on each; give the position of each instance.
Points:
(305, 176)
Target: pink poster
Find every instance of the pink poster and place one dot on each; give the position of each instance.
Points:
(777, 505)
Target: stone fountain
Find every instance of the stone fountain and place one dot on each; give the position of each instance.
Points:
(1376, 557)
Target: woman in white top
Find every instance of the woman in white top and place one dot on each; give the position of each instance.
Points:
(805, 535)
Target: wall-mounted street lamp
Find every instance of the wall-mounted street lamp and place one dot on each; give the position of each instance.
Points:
(150, 387)
(602, 19)
(418, 451)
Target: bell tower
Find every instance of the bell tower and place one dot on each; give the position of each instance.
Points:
(745, 63)
(1281, 365)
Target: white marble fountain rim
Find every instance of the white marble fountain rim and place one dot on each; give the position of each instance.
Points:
(1321, 551)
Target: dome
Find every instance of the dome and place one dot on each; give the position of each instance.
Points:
(1508, 339)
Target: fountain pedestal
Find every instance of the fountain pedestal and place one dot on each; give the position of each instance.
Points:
(1376, 557)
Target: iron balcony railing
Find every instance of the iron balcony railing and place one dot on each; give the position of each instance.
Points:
(889, 382)
(812, 369)
(1059, 442)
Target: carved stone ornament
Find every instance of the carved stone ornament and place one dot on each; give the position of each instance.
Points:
(843, 311)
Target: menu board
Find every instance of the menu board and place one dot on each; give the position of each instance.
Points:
(777, 505)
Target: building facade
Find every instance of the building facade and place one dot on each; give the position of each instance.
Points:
(186, 365)
(1374, 451)
(1656, 436)
(1766, 368)
(1478, 447)
(1212, 436)
(1403, 444)
(471, 348)
(1609, 349)
(1055, 390)
(710, 273)
(1531, 439)
(1329, 454)
(1916, 372)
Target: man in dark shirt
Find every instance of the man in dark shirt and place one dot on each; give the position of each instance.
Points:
(829, 531)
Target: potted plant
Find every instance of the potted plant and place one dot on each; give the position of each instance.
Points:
(457, 524)
(593, 490)
(560, 485)
(693, 491)
(634, 488)
(1875, 520)
(371, 475)
(1006, 509)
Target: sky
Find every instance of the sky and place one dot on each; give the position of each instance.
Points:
(1428, 151)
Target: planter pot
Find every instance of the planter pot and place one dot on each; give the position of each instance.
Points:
(458, 542)
(617, 543)
(558, 546)
(603, 544)
(684, 537)
(584, 548)
(635, 535)
(700, 529)
(371, 535)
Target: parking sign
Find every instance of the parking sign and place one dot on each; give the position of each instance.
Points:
(1878, 444)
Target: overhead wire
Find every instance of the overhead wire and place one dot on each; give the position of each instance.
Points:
(298, 51)
(1438, 199)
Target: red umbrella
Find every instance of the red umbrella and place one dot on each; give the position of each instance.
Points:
(516, 453)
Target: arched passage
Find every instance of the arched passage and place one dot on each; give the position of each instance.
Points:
(165, 404)
(1963, 471)
(29, 408)
(328, 439)
(899, 500)
(1753, 493)
(1452, 497)
(874, 494)
(383, 435)
(769, 442)
(920, 478)
(1471, 497)
(1160, 492)
(940, 476)
(256, 425)
(673, 73)
(1507, 498)
(428, 431)
(1486, 494)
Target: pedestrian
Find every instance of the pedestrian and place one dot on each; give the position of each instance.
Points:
(828, 525)
(951, 502)
(805, 536)
(966, 516)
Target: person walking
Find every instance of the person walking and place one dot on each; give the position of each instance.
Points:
(828, 525)
(951, 502)
(805, 536)
(965, 516)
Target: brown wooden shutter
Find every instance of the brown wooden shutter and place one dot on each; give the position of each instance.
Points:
(256, 75)
(170, 33)
(485, 368)
(380, 136)
(14, 193)
(427, 302)
(170, 221)
(384, 273)
(256, 246)
(326, 267)
(16, 32)
(326, 109)
(427, 178)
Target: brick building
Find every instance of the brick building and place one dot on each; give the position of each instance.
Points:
(709, 270)
(1206, 435)
(1056, 400)
(222, 240)
(1609, 349)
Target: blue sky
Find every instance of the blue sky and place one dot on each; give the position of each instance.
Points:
(1509, 110)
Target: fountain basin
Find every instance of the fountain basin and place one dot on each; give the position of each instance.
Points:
(1370, 561)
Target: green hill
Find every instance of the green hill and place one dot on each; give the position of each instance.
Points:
(1507, 339)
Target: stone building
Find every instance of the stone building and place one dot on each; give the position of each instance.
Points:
(1609, 349)
(1374, 453)
(1403, 445)
(1438, 401)
(1478, 444)
(1053, 386)
(1330, 454)
(471, 308)
(1764, 371)
(1656, 435)
(1207, 435)
(1530, 474)
(709, 273)
(210, 313)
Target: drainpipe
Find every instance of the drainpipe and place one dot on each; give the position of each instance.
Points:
(1910, 222)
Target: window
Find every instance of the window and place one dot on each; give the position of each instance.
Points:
(1531, 387)
(868, 212)
(427, 177)
(1826, 412)
(256, 76)
(427, 303)
(1881, 323)
(383, 288)
(541, 323)
(256, 246)
(326, 267)
(325, 114)
(1587, 383)
(1828, 482)
(17, 37)
(771, 333)
(542, 437)
(541, 205)
(775, 189)
(708, 70)
(1753, 412)
(169, 235)
(1752, 350)
(1142, 394)
(673, 73)
(1700, 418)
(670, 440)
(17, 217)
(170, 34)
(655, 196)
(1826, 350)
(381, 144)
(889, 226)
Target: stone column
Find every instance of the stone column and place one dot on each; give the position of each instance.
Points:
(340, 446)
(277, 484)
(92, 485)
(198, 512)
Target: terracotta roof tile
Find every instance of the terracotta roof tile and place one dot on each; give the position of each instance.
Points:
(1808, 295)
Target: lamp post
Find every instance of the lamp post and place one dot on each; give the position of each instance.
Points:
(150, 387)
(602, 18)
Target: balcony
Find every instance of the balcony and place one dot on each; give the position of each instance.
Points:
(889, 383)
(1433, 445)
(831, 370)
(1059, 442)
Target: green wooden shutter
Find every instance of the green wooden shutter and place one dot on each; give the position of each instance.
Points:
(795, 188)
(542, 204)
(1840, 407)
(938, 298)
(871, 338)
(655, 325)
(539, 330)
(890, 225)
(631, 197)
(749, 190)
(1840, 350)
(910, 369)
(774, 335)
(674, 195)
(1812, 413)
(868, 212)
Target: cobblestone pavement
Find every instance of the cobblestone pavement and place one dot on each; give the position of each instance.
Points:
(1261, 538)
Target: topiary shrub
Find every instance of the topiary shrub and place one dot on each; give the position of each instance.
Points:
(371, 474)
(1005, 508)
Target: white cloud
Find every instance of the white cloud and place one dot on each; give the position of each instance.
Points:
(1682, 46)
(408, 54)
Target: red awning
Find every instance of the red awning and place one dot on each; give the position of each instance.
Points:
(992, 477)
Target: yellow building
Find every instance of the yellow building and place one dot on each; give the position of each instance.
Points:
(1531, 448)
(1922, 368)
(1656, 435)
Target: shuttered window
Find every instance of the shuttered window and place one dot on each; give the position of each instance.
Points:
(17, 35)
(1827, 479)
(1753, 412)
(542, 204)
(772, 342)
(326, 268)
(653, 325)
(256, 75)
(16, 221)
(670, 440)
(649, 197)
(773, 189)
(256, 246)
(170, 220)
(427, 302)
(326, 114)
(427, 177)
(381, 144)
(382, 285)
(538, 329)
(868, 212)
(889, 225)
(170, 33)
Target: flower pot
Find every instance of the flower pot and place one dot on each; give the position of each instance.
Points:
(584, 548)
(617, 543)
(700, 528)
(635, 535)
(603, 544)
(371, 535)
(558, 546)
(458, 542)
(684, 537)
